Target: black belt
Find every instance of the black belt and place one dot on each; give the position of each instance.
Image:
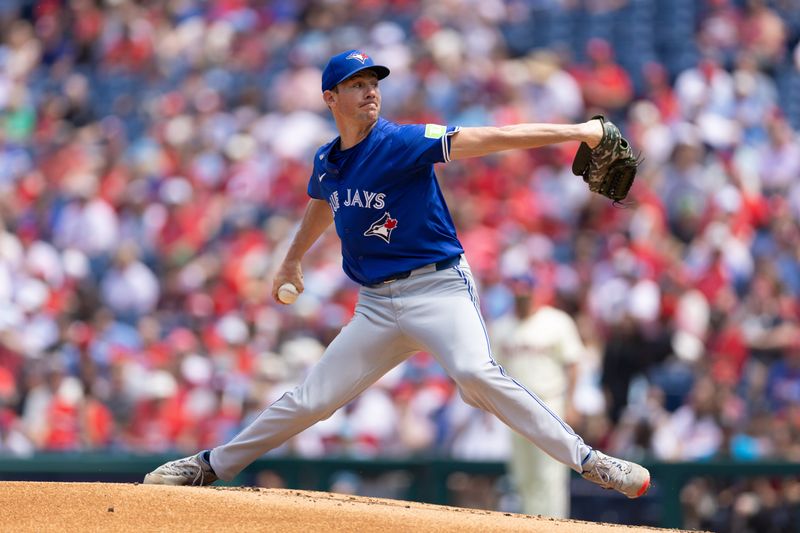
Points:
(441, 265)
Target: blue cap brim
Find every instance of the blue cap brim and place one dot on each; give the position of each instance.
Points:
(380, 70)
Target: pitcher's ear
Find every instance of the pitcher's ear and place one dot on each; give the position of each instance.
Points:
(328, 97)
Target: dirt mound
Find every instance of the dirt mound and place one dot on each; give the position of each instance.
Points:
(121, 507)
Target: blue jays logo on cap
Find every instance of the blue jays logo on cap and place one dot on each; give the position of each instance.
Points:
(358, 55)
(344, 65)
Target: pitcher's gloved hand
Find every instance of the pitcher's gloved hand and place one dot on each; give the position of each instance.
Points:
(610, 167)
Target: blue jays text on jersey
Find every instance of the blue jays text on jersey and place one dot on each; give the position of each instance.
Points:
(354, 198)
(388, 209)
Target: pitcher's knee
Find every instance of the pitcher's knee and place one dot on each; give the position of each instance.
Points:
(471, 385)
(472, 376)
(307, 406)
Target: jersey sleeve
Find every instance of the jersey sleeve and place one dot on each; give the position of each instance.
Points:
(314, 189)
(426, 144)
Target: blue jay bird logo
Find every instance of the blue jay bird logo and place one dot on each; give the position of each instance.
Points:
(360, 56)
(382, 228)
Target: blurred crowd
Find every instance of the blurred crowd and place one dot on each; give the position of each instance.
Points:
(154, 157)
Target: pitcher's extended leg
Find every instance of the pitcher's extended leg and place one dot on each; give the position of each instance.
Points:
(443, 314)
(363, 351)
(449, 324)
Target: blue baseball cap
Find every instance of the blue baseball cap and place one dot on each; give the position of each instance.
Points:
(342, 66)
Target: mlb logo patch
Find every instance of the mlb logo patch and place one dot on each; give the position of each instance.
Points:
(359, 56)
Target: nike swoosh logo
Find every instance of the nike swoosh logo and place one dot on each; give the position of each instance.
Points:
(321, 176)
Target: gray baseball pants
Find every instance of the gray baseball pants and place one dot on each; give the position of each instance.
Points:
(431, 310)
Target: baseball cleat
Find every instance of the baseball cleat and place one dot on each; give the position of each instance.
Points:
(626, 477)
(192, 470)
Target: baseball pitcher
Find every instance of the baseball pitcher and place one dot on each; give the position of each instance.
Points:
(375, 182)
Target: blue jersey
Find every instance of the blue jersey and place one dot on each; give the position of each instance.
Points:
(388, 208)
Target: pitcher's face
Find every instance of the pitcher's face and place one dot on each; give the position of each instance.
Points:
(356, 98)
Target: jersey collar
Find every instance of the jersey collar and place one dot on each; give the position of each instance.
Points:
(331, 169)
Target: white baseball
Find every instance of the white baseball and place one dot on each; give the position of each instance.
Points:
(287, 293)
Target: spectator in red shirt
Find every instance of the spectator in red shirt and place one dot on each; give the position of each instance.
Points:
(605, 84)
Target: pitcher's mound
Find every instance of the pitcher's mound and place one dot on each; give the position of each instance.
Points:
(64, 507)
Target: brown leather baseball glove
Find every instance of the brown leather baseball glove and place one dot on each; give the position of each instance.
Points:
(610, 167)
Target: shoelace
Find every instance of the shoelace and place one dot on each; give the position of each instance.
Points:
(603, 468)
(183, 466)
